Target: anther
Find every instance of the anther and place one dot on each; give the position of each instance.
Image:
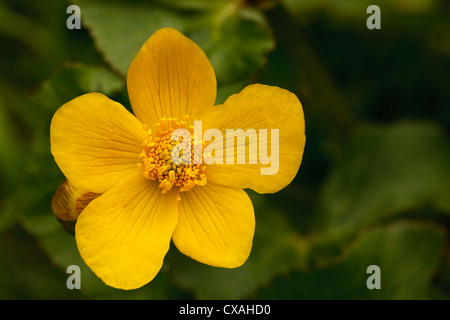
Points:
(156, 157)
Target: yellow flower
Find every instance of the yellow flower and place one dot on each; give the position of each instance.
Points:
(147, 198)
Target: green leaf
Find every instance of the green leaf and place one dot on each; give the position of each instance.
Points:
(277, 249)
(73, 80)
(384, 171)
(120, 29)
(407, 254)
(236, 39)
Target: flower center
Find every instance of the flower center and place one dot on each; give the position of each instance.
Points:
(172, 156)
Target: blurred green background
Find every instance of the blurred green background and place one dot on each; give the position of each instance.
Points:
(374, 185)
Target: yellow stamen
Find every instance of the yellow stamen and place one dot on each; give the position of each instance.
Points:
(161, 170)
(172, 176)
(191, 173)
(183, 173)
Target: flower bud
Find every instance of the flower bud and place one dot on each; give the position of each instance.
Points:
(68, 202)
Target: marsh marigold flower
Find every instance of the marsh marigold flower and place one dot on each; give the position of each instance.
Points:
(148, 199)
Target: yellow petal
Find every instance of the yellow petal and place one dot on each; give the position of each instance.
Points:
(95, 142)
(216, 225)
(258, 107)
(170, 77)
(124, 234)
